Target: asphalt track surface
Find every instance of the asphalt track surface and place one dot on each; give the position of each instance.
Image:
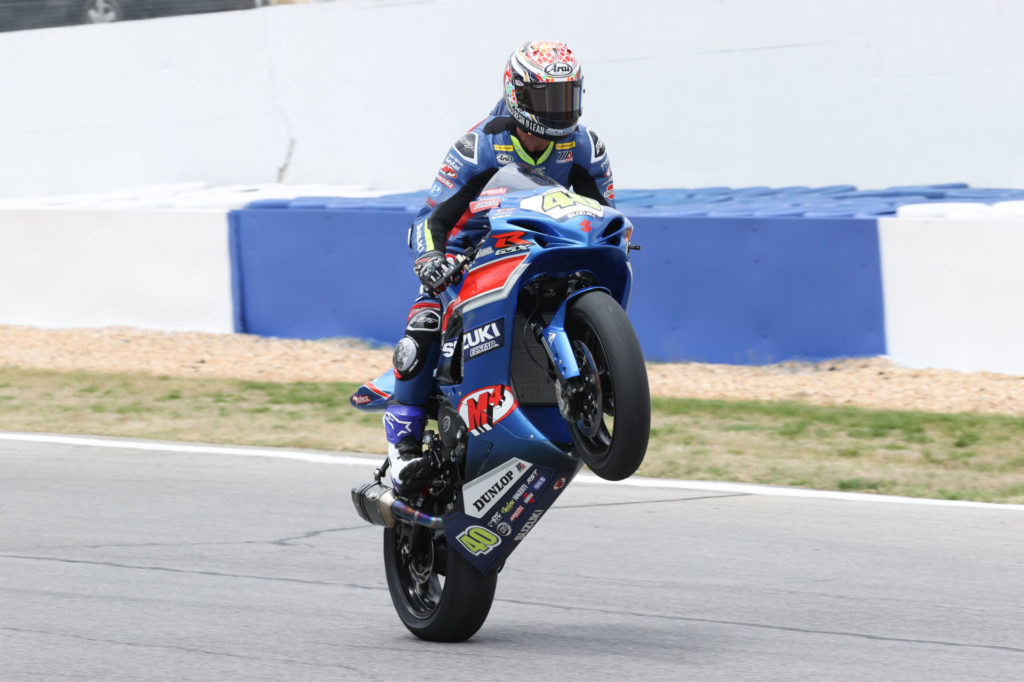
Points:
(133, 565)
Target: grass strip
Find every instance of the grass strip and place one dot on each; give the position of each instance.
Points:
(919, 454)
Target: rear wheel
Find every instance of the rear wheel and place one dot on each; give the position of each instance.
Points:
(436, 593)
(612, 408)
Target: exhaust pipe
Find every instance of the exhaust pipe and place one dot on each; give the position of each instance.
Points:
(377, 504)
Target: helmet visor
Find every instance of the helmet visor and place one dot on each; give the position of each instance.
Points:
(552, 101)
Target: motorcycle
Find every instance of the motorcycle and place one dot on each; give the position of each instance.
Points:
(540, 371)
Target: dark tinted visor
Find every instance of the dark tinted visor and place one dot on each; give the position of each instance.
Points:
(552, 101)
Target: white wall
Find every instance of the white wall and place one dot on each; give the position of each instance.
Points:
(953, 291)
(91, 268)
(694, 93)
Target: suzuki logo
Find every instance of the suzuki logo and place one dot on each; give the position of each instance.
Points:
(507, 239)
(488, 332)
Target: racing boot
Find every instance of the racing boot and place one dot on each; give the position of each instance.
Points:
(409, 468)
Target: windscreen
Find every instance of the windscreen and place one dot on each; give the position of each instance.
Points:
(515, 177)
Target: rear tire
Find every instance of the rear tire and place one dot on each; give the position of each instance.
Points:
(438, 595)
(612, 433)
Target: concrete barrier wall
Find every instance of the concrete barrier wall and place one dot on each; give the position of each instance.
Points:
(741, 291)
(315, 273)
(927, 292)
(686, 94)
(953, 292)
(90, 268)
(755, 291)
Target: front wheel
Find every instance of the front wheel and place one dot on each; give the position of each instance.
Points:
(613, 408)
(436, 593)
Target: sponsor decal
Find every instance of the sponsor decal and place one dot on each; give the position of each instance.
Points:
(586, 226)
(522, 466)
(511, 249)
(483, 204)
(483, 492)
(503, 240)
(503, 148)
(528, 499)
(453, 161)
(494, 519)
(559, 483)
(530, 523)
(504, 529)
(449, 171)
(503, 159)
(565, 145)
(494, 191)
(397, 427)
(517, 513)
(432, 203)
(540, 484)
(448, 349)
(562, 205)
(435, 189)
(508, 506)
(558, 69)
(610, 192)
(519, 493)
(597, 149)
(501, 213)
(486, 251)
(361, 399)
(564, 157)
(533, 476)
(465, 147)
(419, 230)
(445, 181)
(478, 540)
(483, 339)
(485, 407)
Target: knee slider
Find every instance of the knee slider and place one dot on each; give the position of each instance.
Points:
(421, 334)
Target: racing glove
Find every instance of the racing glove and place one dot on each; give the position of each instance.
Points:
(429, 266)
(436, 272)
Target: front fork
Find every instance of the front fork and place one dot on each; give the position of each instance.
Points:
(573, 386)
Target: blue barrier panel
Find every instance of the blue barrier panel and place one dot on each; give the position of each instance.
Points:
(757, 290)
(315, 273)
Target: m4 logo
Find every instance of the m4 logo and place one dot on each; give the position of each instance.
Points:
(484, 408)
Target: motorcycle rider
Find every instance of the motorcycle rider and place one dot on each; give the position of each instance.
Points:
(536, 123)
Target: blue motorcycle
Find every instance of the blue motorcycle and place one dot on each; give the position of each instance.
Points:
(540, 372)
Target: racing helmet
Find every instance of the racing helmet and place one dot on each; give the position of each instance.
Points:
(544, 88)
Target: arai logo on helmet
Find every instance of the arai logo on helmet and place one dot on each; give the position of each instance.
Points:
(558, 69)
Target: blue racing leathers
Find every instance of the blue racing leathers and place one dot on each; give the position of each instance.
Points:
(578, 161)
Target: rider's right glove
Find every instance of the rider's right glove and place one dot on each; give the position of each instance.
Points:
(429, 266)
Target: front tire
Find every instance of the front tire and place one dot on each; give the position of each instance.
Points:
(438, 595)
(614, 420)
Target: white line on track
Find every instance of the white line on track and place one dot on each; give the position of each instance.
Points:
(636, 481)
